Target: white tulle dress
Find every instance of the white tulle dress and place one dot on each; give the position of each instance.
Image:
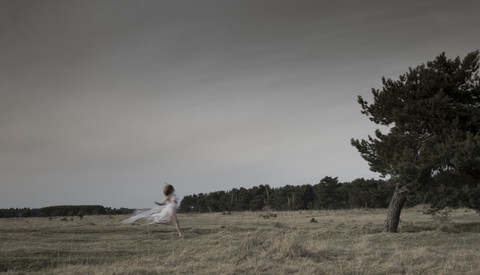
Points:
(161, 214)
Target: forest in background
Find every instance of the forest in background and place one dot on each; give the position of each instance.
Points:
(329, 193)
(63, 210)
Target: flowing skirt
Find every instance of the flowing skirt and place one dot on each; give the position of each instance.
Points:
(159, 214)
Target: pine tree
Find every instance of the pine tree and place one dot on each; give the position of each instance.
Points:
(432, 113)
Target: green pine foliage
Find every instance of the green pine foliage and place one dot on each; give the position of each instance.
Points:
(432, 145)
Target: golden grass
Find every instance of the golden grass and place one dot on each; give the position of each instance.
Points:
(339, 242)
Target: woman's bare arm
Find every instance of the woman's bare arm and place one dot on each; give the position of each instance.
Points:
(162, 203)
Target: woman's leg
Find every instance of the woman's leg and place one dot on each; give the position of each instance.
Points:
(178, 229)
(174, 216)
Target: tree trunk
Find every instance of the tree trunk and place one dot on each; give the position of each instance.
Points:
(394, 210)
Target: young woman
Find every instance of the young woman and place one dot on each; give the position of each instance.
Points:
(164, 213)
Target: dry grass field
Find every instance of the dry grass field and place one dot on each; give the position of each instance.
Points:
(302, 242)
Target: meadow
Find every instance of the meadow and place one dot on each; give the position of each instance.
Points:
(297, 242)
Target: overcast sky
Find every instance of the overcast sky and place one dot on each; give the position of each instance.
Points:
(102, 102)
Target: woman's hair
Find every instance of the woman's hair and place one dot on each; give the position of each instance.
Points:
(168, 189)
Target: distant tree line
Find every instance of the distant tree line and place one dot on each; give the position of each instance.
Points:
(329, 193)
(63, 210)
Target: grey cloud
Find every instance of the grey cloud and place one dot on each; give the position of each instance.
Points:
(207, 95)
